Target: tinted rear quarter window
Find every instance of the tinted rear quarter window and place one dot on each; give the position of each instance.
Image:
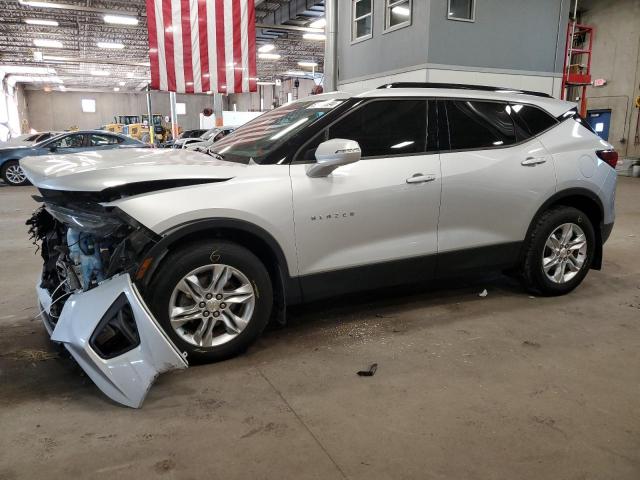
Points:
(479, 124)
(530, 121)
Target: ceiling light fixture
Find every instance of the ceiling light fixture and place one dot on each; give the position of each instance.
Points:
(307, 64)
(314, 36)
(295, 73)
(31, 3)
(320, 23)
(116, 89)
(266, 83)
(46, 43)
(100, 73)
(36, 21)
(21, 69)
(266, 48)
(110, 45)
(122, 84)
(269, 56)
(120, 20)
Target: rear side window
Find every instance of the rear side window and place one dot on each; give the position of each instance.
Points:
(479, 124)
(530, 121)
(386, 127)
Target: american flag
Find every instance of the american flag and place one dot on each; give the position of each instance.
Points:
(197, 46)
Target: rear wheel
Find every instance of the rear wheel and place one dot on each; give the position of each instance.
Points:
(13, 174)
(559, 251)
(213, 299)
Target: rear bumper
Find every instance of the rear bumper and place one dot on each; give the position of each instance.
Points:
(127, 377)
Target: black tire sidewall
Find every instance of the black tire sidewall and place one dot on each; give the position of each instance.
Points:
(5, 166)
(177, 264)
(553, 221)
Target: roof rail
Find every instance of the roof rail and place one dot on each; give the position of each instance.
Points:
(459, 86)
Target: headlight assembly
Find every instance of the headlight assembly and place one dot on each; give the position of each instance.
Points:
(96, 223)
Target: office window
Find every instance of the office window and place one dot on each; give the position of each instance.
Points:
(181, 108)
(463, 10)
(362, 24)
(88, 105)
(397, 14)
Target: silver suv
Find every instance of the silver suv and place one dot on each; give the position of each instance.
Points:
(153, 258)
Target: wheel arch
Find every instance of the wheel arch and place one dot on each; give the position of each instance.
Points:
(247, 234)
(584, 200)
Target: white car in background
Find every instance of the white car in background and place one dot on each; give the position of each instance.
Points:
(153, 258)
(205, 140)
(28, 139)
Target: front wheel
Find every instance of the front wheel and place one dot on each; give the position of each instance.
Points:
(13, 174)
(213, 299)
(559, 251)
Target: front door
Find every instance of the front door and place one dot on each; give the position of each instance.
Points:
(374, 222)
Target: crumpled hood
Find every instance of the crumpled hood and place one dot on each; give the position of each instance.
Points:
(97, 170)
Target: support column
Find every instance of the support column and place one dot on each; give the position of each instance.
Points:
(152, 129)
(217, 109)
(330, 46)
(174, 116)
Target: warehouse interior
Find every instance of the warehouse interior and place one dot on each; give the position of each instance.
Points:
(367, 326)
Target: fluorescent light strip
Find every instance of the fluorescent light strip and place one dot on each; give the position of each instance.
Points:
(46, 43)
(120, 20)
(45, 23)
(314, 36)
(110, 45)
(320, 23)
(269, 56)
(308, 64)
(266, 48)
(100, 73)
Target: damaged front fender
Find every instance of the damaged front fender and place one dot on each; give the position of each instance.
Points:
(116, 340)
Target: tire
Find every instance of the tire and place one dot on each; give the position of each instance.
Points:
(245, 273)
(552, 280)
(13, 175)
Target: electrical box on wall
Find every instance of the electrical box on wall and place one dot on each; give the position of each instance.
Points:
(599, 82)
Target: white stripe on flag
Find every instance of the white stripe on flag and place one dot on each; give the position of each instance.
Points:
(211, 45)
(195, 43)
(162, 61)
(178, 59)
(228, 44)
(244, 42)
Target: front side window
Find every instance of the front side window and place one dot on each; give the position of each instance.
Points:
(397, 14)
(464, 10)
(479, 124)
(362, 20)
(68, 141)
(385, 127)
(258, 139)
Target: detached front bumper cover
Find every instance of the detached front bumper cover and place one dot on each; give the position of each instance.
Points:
(115, 339)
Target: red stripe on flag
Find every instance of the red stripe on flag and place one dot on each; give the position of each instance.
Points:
(187, 47)
(222, 74)
(168, 44)
(204, 45)
(153, 44)
(237, 46)
(253, 74)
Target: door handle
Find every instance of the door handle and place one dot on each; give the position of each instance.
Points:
(420, 178)
(532, 161)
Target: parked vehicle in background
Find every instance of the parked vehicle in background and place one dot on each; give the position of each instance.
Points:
(27, 139)
(71, 142)
(184, 135)
(323, 196)
(208, 138)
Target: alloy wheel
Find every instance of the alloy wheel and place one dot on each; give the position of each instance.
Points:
(211, 305)
(564, 253)
(15, 174)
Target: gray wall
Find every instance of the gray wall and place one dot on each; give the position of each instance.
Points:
(509, 35)
(616, 58)
(383, 52)
(62, 110)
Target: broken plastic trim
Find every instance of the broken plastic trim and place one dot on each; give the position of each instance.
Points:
(117, 332)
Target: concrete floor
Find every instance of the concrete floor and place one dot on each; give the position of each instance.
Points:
(502, 387)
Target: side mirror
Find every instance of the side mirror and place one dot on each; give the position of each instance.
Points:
(333, 154)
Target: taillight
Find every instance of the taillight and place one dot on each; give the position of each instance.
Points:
(608, 156)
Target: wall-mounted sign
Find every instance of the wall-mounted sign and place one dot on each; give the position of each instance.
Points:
(599, 82)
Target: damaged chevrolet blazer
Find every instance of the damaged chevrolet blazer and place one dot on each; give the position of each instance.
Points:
(154, 259)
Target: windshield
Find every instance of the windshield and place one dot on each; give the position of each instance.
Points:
(263, 135)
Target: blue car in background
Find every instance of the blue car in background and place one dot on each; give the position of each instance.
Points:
(70, 142)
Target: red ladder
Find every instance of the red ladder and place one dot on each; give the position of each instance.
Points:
(576, 73)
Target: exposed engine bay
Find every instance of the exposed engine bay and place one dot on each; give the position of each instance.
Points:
(83, 243)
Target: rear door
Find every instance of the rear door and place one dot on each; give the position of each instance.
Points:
(495, 174)
(370, 215)
(103, 141)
